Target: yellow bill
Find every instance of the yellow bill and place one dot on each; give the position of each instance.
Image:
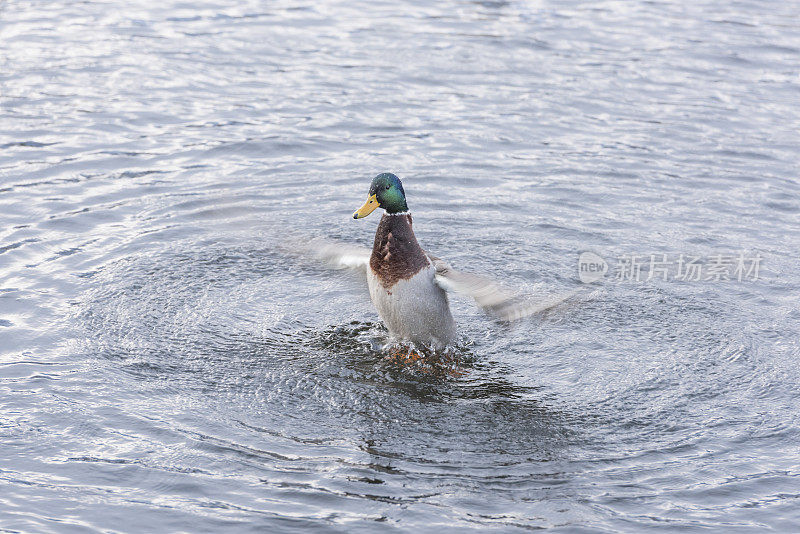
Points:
(369, 206)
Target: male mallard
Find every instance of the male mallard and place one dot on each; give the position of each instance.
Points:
(401, 277)
(407, 285)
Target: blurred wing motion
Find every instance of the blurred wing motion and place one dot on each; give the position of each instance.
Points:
(491, 297)
(338, 255)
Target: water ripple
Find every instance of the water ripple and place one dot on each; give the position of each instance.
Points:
(164, 362)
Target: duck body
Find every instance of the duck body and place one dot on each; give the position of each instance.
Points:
(403, 288)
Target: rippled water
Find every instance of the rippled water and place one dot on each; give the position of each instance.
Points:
(166, 366)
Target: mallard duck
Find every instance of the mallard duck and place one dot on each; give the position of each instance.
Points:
(407, 285)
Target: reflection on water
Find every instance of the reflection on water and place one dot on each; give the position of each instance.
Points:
(166, 363)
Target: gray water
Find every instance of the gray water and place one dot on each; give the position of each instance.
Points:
(167, 365)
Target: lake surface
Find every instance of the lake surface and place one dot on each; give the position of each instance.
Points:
(166, 365)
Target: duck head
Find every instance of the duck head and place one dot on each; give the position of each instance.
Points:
(385, 192)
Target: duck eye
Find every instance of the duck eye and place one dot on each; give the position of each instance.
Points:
(388, 186)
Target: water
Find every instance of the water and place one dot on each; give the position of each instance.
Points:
(166, 366)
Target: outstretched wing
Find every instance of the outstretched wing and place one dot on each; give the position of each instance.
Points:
(490, 296)
(336, 254)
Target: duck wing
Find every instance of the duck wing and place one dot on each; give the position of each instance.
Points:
(336, 254)
(490, 296)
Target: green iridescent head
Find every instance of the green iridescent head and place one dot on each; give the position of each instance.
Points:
(385, 192)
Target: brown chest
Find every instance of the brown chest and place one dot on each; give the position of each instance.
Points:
(396, 254)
